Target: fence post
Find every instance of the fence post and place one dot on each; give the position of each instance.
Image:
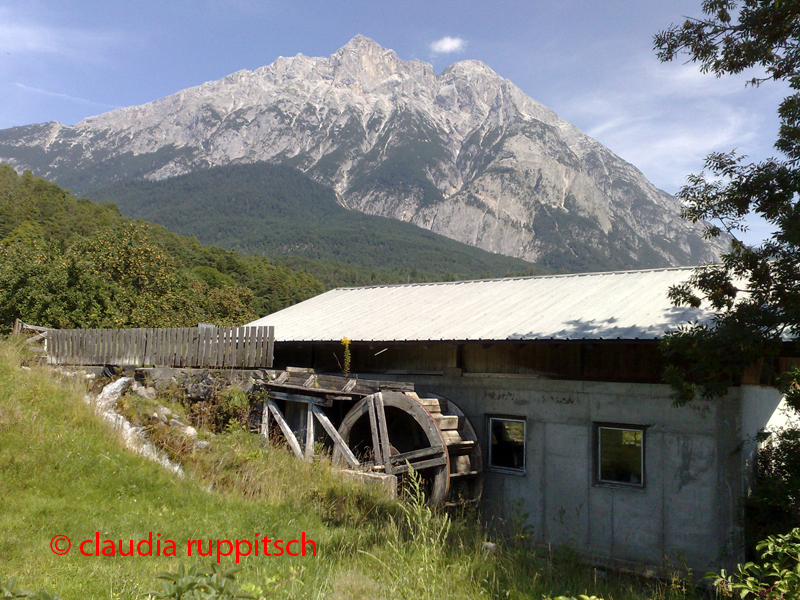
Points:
(17, 327)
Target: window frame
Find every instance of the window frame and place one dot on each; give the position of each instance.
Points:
(507, 470)
(597, 463)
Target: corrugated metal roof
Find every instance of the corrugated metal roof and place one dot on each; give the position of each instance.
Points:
(619, 305)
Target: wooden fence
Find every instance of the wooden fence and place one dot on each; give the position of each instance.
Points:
(212, 347)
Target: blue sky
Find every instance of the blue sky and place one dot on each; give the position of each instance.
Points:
(591, 62)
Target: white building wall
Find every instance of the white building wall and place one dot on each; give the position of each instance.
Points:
(684, 515)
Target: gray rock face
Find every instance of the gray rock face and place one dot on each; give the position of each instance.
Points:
(465, 154)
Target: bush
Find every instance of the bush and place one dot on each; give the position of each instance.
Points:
(773, 507)
(776, 575)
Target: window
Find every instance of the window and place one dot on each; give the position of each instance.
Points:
(620, 455)
(507, 445)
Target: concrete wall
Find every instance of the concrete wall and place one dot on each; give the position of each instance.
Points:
(693, 479)
(763, 408)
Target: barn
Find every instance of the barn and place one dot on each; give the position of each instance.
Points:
(561, 377)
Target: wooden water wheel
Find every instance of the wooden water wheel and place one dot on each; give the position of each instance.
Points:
(392, 431)
(385, 427)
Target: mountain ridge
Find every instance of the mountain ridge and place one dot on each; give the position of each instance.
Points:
(464, 153)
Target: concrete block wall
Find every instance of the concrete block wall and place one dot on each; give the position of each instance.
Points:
(686, 512)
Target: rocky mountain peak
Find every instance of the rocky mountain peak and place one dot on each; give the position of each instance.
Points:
(466, 154)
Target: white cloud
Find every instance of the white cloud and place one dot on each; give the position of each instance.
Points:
(34, 90)
(665, 119)
(448, 44)
(21, 37)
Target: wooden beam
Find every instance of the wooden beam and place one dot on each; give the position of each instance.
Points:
(309, 450)
(337, 439)
(418, 466)
(287, 431)
(300, 398)
(383, 432)
(265, 420)
(373, 426)
(414, 454)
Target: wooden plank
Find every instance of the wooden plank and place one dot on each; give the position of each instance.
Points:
(231, 357)
(264, 420)
(127, 347)
(200, 351)
(162, 347)
(104, 346)
(434, 405)
(225, 346)
(270, 347)
(241, 333)
(80, 347)
(244, 350)
(175, 351)
(197, 347)
(255, 339)
(383, 432)
(206, 333)
(218, 344)
(309, 449)
(145, 349)
(191, 347)
(334, 435)
(230, 348)
(287, 432)
(373, 426)
(236, 348)
(447, 422)
(300, 398)
(188, 345)
(183, 350)
(416, 454)
(154, 344)
(423, 464)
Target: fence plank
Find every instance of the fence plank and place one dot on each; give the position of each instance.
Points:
(250, 347)
(241, 341)
(270, 346)
(220, 347)
(201, 346)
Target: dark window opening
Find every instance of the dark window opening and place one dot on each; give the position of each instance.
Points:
(620, 455)
(507, 444)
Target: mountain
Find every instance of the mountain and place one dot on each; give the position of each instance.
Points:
(464, 153)
(262, 208)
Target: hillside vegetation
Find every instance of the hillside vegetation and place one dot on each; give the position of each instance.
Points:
(69, 262)
(274, 210)
(66, 473)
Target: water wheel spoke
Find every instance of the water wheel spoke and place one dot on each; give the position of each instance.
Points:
(399, 459)
(422, 464)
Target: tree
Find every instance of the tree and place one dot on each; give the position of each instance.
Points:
(755, 291)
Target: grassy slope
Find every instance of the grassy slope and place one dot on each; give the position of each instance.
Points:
(64, 472)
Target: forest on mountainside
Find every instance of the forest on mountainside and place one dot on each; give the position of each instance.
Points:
(278, 211)
(69, 262)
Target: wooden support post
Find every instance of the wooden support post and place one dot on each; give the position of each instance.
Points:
(309, 450)
(337, 439)
(265, 421)
(373, 426)
(17, 327)
(383, 432)
(287, 431)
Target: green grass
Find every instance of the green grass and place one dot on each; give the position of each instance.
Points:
(63, 472)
